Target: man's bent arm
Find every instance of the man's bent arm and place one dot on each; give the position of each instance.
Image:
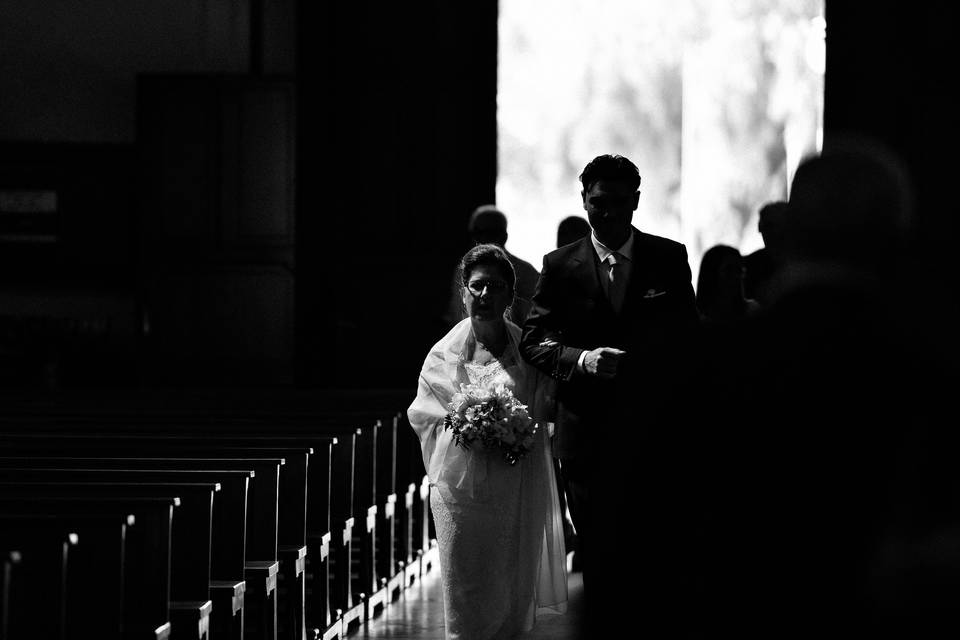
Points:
(542, 341)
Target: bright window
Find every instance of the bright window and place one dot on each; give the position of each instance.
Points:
(716, 103)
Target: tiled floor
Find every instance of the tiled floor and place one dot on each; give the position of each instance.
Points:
(418, 615)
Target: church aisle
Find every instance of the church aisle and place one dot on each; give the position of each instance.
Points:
(553, 626)
(418, 615)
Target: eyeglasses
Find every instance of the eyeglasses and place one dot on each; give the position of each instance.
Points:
(476, 287)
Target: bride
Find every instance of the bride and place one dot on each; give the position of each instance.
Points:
(499, 529)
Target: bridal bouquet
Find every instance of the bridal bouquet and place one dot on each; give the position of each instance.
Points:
(494, 418)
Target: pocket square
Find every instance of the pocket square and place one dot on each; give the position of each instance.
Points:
(653, 293)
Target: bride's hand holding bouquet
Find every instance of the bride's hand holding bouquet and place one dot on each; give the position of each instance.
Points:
(494, 418)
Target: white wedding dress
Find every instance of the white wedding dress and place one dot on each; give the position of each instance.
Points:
(498, 526)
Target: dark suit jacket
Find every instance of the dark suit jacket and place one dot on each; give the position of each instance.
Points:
(654, 327)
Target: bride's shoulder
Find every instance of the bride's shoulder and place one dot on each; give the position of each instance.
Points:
(453, 338)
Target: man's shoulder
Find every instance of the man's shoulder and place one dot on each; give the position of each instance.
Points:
(562, 254)
(648, 242)
(760, 256)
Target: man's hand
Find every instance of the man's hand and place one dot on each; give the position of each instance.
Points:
(602, 362)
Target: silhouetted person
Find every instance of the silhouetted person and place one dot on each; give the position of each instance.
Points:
(571, 229)
(760, 265)
(488, 225)
(818, 482)
(720, 297)
(611, 320)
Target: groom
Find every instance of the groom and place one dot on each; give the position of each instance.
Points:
(613, 318)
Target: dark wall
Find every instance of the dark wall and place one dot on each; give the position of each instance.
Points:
(71, 303)
(68, 68)
(890, 71)
(397, 146)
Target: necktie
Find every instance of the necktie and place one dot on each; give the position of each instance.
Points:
(617, 278)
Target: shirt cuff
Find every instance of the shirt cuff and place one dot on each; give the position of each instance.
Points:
(583, 355)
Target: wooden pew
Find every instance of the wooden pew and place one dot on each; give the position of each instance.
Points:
(304, 489)
(228, 536)
(352, 502)
(352, 519)
(353, 505)
(351, 497)
(39, 602)
(293, 488)
(367, 517)
(147, 561)
(261, 565)
(386, 499)
(319, 618)
(353, 510)
(228, 533)
(292, 491)
(9, 576)
(9, 559)
(343, 609)
(95, 587)
(366, 588)
(414, 525)
(190, 604)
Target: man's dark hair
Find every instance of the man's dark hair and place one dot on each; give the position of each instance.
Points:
(770, 221)
(571, 229)
(851, 203)
(610, 167)
(488, 225)
(489, 255)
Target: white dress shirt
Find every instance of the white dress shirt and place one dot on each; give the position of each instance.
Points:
(604, 252)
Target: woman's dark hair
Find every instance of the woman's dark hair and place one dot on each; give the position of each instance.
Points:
(489, 255)
(708, 280)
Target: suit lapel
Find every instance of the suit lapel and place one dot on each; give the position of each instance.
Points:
(639, 273)
(584, 268)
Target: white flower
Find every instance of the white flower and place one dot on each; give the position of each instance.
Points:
(494, 417)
